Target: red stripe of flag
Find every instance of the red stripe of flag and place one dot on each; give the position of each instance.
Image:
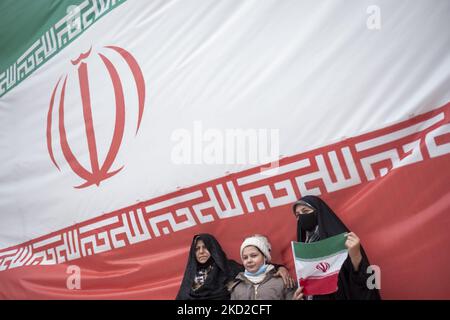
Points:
(318, 286)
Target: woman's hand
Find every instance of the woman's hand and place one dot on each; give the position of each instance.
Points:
(353, 245)
(298, 294)
(287, 279)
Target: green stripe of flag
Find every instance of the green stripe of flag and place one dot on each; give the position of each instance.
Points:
(22, 22)
(323, 248)
(33, 32)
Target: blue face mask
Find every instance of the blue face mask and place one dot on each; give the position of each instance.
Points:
(261, 270)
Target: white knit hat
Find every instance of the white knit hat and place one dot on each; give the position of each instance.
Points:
(260, 242)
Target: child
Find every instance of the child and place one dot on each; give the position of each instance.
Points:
(257, 282)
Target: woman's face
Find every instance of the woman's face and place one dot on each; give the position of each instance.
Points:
(252, 258)
(201, 252)
(302, 209)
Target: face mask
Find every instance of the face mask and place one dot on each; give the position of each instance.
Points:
(308, 221)
(261, 270)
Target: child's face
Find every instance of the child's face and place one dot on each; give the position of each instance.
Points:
(252, 259)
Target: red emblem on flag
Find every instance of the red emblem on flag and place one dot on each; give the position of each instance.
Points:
(97, 172)
(323, 266)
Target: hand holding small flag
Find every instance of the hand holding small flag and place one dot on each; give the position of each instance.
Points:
(353, 245)
(298, 294)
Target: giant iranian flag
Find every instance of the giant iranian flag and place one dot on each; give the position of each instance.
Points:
(126, 127)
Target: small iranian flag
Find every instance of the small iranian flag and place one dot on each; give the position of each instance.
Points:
(318, 264)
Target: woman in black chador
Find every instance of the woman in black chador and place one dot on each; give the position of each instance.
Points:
(316, 221)
(208, 271)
